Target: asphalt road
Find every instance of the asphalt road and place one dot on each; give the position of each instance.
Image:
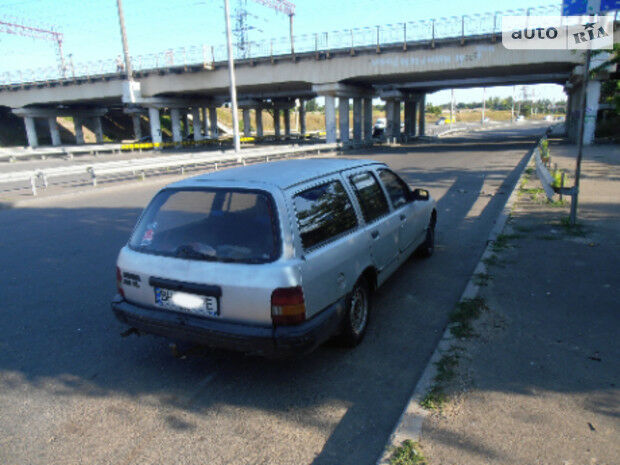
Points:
(73, 391)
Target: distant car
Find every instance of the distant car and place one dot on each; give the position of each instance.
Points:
(274, 258)
(379, 127)
(520, 119)
(443, 120)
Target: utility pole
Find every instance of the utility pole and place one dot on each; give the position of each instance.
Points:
(452, 107)
(582, 117)
(512, 111)
(231, 74)
(484, 104)
(121, 20)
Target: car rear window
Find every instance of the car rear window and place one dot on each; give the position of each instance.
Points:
(224, 225)
(323, 213)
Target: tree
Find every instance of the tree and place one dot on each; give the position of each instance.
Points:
(312, 105)
(610, 88)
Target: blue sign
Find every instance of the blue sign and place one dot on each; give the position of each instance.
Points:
(574, 7)
(610, 5)
(583, 7)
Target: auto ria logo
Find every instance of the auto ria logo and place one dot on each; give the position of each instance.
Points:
(580, 37)
(557, 32)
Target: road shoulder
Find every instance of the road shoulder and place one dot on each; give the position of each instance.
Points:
(537, 380)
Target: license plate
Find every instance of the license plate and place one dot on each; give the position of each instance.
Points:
(202, 305)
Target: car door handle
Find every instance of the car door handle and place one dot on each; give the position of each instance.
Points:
(374, 234)
(402, 217)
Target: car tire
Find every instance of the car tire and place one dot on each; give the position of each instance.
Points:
(428, 246)
(357, 313)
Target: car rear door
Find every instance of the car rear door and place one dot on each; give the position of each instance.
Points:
(329, 241)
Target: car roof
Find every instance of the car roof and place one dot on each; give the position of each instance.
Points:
(283, 174)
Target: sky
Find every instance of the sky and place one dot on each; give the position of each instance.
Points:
(91, 37)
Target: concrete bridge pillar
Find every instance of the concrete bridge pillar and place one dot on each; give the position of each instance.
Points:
(330, 119)
(54, 132)
(79, 131)
(98, 129)
(137, 128)
(31, 132)
(213, 121)
(396, 121)
(258, 115)
(196, 124)
(155, 125)
(276, 121)
(287, 122)
(357, 120)
(205, 122)
(247, 127)
(175, 120)
(389, 118)
(368, 119)
(302, 117)
(186, 122)
(410, 116)
(593, 94)
(421, 122)
(343, 114)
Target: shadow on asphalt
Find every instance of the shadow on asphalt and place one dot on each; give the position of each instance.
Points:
(59, 334)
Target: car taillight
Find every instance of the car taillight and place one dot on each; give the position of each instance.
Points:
(288, 306)
(119, 282)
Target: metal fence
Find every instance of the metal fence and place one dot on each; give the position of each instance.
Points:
(205, 55)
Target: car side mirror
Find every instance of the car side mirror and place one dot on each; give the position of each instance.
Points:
(420, 194)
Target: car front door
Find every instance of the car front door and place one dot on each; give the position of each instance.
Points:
(410, 212)
(381, 224)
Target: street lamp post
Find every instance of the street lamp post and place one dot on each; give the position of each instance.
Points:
(121, 20)
(231, 73)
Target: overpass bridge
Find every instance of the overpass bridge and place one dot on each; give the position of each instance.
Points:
(397, 69)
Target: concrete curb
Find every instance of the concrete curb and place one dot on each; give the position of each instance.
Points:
(409, 425)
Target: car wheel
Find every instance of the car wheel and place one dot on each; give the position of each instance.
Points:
(355, 320)
(428, 246)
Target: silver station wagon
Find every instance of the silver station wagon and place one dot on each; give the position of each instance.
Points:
(272, 258)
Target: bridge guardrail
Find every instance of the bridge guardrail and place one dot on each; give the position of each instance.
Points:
(142, 166)
(205, 56)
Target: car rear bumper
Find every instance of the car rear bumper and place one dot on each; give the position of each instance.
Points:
(268, 341)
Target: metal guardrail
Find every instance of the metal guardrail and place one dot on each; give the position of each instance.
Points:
(67, 151)
(551, 184)
(142, 166)
(206, 56)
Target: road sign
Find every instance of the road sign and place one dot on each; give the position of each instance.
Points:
(582, 7)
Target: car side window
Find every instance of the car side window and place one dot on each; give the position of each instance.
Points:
(396, 188)
(323, 213)
(370, 196)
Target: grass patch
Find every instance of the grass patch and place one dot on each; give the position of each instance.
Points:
(465, 312)
(501, 242)
(482, 279)
(523, 229)
(408, 453)
(529, 170)
(533, 190)
(435, 399)
(446, 368)
(549, 237)
(557, 203)
(493, 260)
(576, 229)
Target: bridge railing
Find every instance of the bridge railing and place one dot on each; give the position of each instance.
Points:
(205, 55)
